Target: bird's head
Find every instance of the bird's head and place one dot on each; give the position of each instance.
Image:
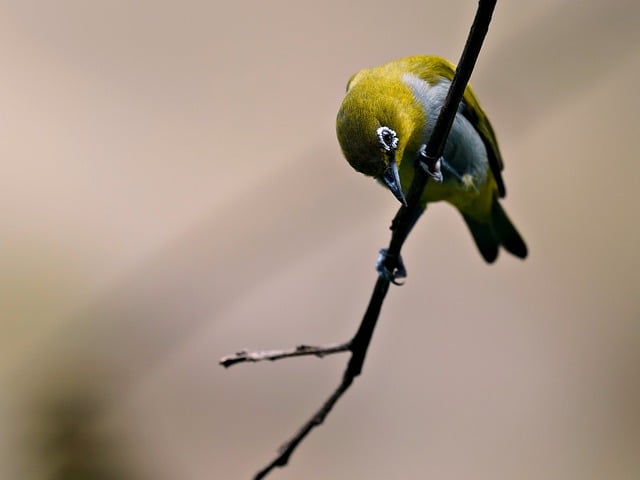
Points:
(376, 125)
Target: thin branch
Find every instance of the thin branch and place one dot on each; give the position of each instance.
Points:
(300, 351)
(358, 346)
(285, 451)
(362, 338)
(401, 226)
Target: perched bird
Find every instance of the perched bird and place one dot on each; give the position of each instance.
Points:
(386, 118)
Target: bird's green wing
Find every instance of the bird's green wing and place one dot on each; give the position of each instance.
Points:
(472, 111)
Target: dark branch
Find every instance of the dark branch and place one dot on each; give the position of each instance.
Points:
(285, 451)
(401, 226)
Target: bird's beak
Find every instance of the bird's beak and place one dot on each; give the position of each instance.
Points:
(391, 179)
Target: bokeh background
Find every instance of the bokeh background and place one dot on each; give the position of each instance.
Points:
(171, 191)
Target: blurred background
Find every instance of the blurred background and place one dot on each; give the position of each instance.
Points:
(171, 191)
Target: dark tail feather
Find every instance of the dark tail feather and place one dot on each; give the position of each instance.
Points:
(489, 236)
(505, 232)
(484, 237)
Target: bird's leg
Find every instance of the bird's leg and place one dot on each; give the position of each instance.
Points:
(392, 268)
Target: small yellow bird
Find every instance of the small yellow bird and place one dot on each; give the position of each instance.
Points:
(387, 117)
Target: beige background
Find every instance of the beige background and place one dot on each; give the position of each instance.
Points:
(171, 190)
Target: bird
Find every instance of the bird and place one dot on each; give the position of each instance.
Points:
(385, 121)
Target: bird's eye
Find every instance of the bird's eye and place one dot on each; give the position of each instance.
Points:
(387, 139)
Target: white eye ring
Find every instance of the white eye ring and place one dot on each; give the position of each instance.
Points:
(387, 138)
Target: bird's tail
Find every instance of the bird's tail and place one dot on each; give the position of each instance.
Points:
(499, 231)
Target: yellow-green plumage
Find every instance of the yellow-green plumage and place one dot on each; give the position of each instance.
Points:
(405, 96)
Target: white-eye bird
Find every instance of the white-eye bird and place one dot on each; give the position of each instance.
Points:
(388, 115)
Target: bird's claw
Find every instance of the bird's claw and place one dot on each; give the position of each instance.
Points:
(433, 168)
(393, 275)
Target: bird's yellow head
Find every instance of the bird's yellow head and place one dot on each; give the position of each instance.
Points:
(379, 123)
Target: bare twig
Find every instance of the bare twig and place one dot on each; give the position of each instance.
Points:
(400, 227)
(272, 355)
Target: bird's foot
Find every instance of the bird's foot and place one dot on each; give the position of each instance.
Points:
(430, 165)
(398, 271)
